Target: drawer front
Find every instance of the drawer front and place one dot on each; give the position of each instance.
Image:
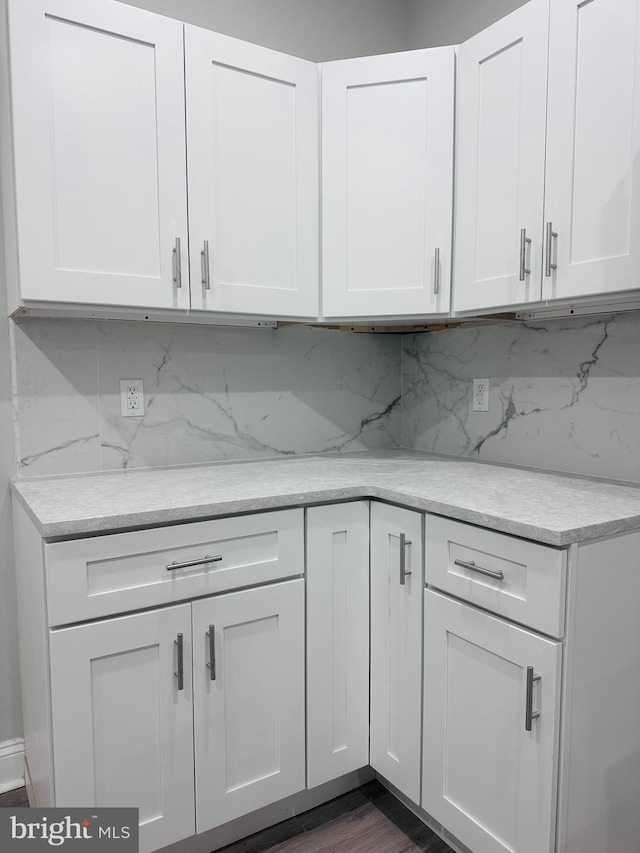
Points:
(90, 578)
(514, 578)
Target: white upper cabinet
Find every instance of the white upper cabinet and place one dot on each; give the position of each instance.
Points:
(99, 153)
(387, 175)
(502, 86)
(252, 132)
(593, 149)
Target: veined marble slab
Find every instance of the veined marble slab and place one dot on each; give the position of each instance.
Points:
(211, 393)
(552, 508)
(564, 394)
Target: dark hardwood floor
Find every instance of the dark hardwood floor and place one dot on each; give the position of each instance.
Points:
(367, 820)
(16, 799)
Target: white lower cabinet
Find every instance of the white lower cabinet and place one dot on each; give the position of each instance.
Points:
(337, 576)
(123, 723)
(396, 646)
(248, 663)
(127, 710)
(491, 721)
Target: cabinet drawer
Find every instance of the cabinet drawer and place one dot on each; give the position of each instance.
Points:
(517, 579)
(90, 578)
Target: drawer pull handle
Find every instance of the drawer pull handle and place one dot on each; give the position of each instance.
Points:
(179, 642)
(551, 235)
(530, 714)
(464, 564)
(189, 564)
(525, 242)
(204, 264)
(177, 263)
(436, 274)
(404, 571)
(211, 663)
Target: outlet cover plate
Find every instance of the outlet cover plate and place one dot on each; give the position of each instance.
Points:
(480, 395)
(131, 398)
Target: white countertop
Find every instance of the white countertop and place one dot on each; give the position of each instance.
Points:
(557, 509)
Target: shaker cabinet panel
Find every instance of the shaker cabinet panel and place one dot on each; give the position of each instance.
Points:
(486, 777)
(337, 579)
(252, 136)
(123, 722)
(248, 665)
(387, 172)
(99, 153)
(592, 204)
(501, 104)
(396, 638)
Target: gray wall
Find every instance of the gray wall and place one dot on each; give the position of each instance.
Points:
(318, 30)
(437, 22)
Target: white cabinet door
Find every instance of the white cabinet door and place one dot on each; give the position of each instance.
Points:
(252, 135)
(387, 174)
(502, 89)
(486, 778)
(98, 124)
(337, 640)
(593, 148)
(249, 708)
(396, 643)
(122, 727)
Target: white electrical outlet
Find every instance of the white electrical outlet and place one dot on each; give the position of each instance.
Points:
(131, 398)
(480, 395)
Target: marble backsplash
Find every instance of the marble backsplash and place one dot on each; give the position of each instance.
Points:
(211, 393)
(564, 394)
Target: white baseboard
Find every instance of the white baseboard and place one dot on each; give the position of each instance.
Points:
(11, 764)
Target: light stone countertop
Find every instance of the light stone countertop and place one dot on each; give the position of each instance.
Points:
(556, 509)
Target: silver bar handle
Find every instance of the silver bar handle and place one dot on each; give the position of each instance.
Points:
(436, 276)
(204, 265)
(189, 564)
(179, 674)
(530, 714)
(469, 564)
(211, 664)
(551, 235)
(177, 263)
(524, 242)
(404, 571)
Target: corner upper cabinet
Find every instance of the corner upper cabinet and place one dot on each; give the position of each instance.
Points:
(99, 162)
(387, 184)
(252, 136)
(592, 196)
(502, 89)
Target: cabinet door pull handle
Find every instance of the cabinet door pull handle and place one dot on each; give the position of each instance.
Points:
(551, 235)
(524, 242)
(177, 264)
(211, 663)
(469, 564)
(203, 561)
(179, 674)
(530, 714)
(204, 264)
(436, 275)
(404, 571)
